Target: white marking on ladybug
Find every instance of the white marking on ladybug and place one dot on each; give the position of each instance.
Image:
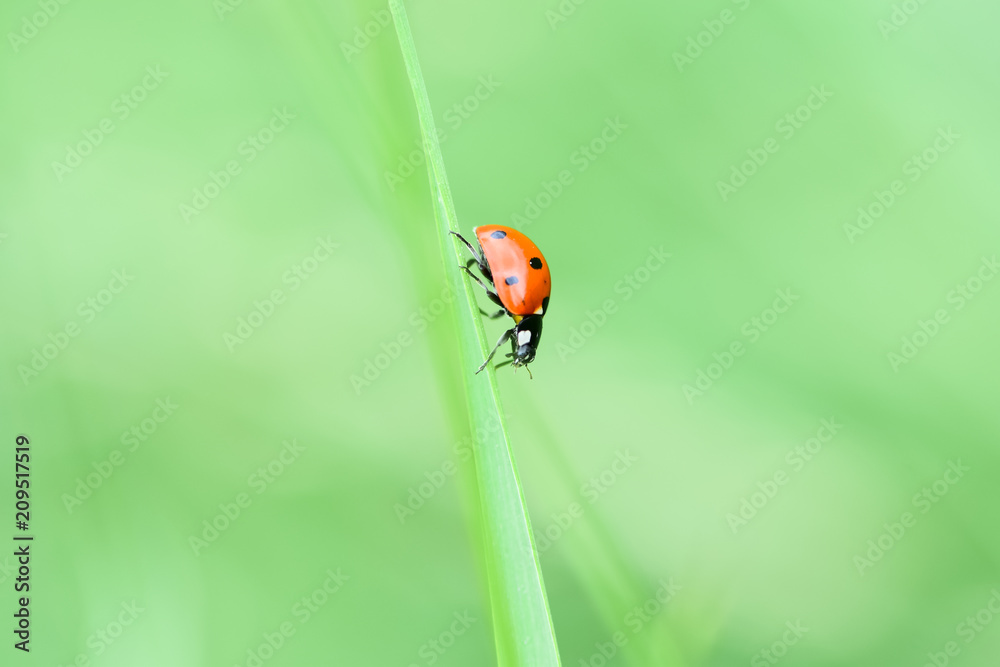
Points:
(523, 337)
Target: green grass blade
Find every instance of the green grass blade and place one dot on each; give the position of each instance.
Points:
(521, 622)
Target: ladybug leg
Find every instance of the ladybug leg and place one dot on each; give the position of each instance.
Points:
(484, 269)
(495, 315)
(507, 335)
(479, 259)
(490, 293)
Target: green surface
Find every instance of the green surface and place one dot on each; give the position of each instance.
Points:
(522, 624)
(260, 162)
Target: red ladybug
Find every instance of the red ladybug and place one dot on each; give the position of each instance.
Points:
(514, 266)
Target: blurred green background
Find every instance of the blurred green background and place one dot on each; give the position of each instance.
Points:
(225, 334)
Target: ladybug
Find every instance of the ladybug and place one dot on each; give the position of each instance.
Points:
(514, 266)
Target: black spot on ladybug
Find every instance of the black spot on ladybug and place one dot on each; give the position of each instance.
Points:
(498, 234)
(535, 263)
(511, 280)
(545, 304)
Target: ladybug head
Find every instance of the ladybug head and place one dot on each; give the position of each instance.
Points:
(524, 343)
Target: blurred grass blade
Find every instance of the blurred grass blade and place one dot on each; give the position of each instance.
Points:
(521, 622)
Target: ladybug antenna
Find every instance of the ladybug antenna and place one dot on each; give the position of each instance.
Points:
(529, 373)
